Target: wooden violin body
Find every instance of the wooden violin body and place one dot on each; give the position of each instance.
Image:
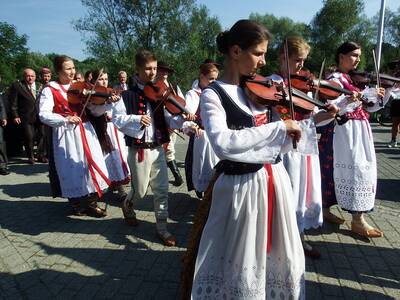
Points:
(78, 92)
(363, 79)
(266, 92)
(327, 89)
(159, 92)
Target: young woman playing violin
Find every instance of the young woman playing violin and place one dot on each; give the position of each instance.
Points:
(348, 161)
(76, 165)
(250, 238)
(303, 169)
(111, 139)
(200, 157)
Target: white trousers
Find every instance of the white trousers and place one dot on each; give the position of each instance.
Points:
(152, 171)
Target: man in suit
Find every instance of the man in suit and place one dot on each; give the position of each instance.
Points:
(122, 81)
(23, 109)
(3, 151)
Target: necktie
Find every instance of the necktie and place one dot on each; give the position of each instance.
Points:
(32, 91)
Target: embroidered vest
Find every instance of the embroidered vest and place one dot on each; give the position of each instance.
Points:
(136, 103)
(236, 119)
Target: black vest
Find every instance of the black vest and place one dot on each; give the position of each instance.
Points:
(236, 119)
(136, 103)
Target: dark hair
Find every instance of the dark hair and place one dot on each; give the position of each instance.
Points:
(244, 33)
(95, 74)
(143, 57)
(87, 74)
(59, 60)
(345, 48)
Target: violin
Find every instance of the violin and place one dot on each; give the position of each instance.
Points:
(159, 92)
(363, 79)
(266, 92)
(327, 89)
(79, 91)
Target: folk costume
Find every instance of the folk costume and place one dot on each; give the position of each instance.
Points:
(146, 156)
(250, 247)
(305, 175)
(116, 160)
(200, 156)
(76, 164)
(347, 154)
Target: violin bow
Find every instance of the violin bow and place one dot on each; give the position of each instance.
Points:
(291, 107)
(91, 92)
(378, 77)
(321, 71)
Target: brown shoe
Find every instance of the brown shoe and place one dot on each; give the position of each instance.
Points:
(168, 239)
(331, 218)
(129, 213)
(95, 211)
(31, 161)
(77, 210)
(359, 229)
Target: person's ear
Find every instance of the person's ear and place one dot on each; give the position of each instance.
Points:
(235, 51)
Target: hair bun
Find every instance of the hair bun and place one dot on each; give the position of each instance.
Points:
(223, 42)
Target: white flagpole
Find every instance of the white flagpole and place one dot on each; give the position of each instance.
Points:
(380, 33)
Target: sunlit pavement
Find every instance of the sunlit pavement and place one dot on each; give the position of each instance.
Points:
(46, 253)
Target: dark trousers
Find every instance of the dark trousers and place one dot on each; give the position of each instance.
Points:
(34, 133)
(3, 150)
(28, 131)
(41, 140)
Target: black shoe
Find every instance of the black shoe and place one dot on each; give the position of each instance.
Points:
(175, 171)
(199, 194)
(3, 171)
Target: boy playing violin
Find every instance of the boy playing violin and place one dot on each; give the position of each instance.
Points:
(144, 124)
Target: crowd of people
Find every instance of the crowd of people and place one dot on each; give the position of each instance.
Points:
(262, 174)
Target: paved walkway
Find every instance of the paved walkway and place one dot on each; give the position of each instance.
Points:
(46, 253)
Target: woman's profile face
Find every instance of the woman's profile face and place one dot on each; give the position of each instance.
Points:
(67, 74)
(350, 60)
(251, 59)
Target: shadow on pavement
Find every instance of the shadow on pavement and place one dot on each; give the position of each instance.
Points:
(26, 169)
(130, 280)
(388, 189)
(26, 190)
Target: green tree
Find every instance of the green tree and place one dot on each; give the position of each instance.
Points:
(13, 52)
(176, 30)
(336, 22)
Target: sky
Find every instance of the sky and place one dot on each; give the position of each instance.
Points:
(48, 23)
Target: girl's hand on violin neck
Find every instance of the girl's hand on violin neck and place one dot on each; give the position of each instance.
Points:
(380, 92)
(73, 119)
(355, 97)
(114, 98)
(145, 120)
(332, 109)
(293, 129)
(189, 117)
